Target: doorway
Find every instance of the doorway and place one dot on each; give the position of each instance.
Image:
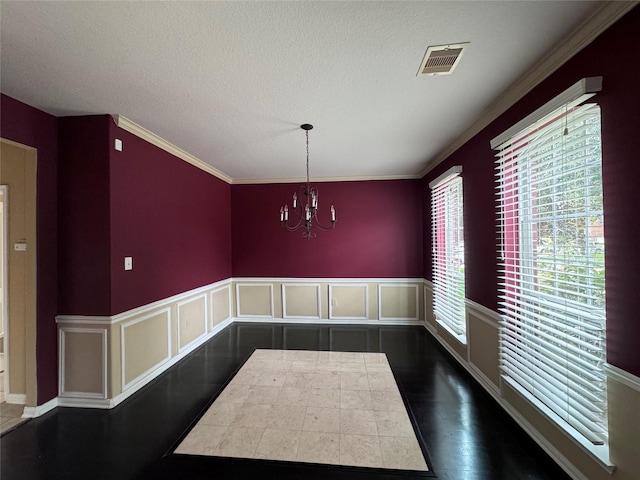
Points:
(18, 276)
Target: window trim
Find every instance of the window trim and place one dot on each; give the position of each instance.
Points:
(575, 95)
(452, 174)
(578, 93)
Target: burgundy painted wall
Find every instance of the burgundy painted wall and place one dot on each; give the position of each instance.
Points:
(84, 215)
(378, 232)
(171, 217)
(608, 56)
(29, 126)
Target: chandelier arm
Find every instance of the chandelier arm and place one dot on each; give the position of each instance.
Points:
(323, 227)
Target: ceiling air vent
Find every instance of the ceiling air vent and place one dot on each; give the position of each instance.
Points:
(441, 59)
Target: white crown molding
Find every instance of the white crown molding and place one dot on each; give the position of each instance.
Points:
(167, 146)
(622, 376)
(361, 178)
(578, 39)
(160, 142)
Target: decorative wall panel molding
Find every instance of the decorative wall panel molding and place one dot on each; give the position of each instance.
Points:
(192, 315)
(91, 363)
(398, 302)
(134, 352)
(303, 301)
(256, 304)
(221, 305)
(357, 308)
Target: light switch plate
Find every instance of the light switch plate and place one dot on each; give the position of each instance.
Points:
(128, 263)
(118, 145)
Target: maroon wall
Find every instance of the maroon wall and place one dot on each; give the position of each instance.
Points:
(29, 126)
(84, 215)
(378, 233)
(609, 55)
(171, 217)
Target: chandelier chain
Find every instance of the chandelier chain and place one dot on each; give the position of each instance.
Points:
(307, 132)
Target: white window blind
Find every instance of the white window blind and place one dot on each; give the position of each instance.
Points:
(448, 251)
(551, 290)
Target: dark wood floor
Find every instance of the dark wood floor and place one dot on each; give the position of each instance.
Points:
(466, 434)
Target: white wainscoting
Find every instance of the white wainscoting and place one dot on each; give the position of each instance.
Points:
(184, 321)
(212, 302)
(491, 318)
(115, 356)
(116, 350)
(123, 347)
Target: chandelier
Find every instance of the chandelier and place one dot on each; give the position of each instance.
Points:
(305, 205)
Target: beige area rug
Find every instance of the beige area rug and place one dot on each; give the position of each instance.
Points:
(338, 408)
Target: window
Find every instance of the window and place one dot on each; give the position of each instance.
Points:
(448, 252)
(552, 292)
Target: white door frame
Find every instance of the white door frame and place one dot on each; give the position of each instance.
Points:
(5, 278)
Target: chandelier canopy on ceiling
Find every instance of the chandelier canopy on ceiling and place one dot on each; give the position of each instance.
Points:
(305, 205)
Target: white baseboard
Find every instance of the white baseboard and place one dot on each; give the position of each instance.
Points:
(551, 450)
(101, 403)
(324, 321)
(16, 398)
(33, 412)
(430, 328)
(485, 381)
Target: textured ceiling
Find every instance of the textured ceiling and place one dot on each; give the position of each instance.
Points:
(230, 82)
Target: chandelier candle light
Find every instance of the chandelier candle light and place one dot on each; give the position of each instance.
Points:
(305, 205)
